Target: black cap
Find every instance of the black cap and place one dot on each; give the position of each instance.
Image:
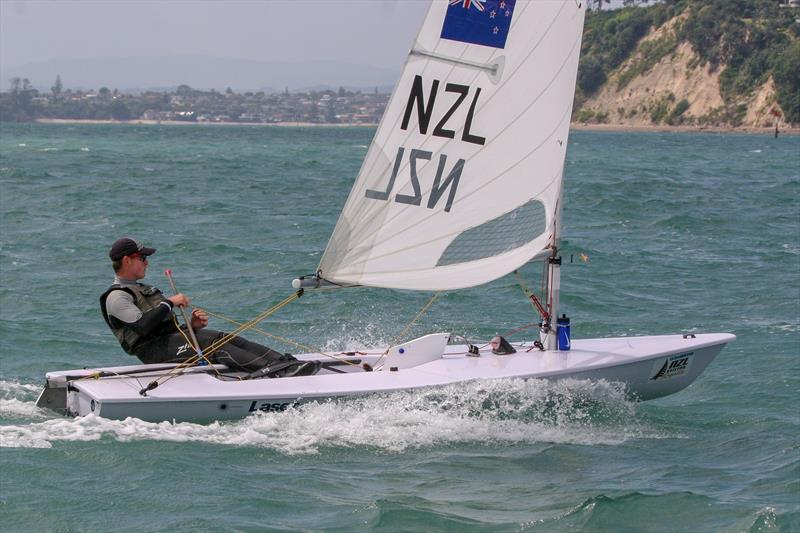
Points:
(127, 246)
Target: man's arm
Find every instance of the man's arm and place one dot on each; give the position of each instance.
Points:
(119, 304)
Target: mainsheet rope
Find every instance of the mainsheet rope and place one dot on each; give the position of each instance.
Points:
(178, 370)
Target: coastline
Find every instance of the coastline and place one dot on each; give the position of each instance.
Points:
(576, 126)
(770, 130)
(141, 122)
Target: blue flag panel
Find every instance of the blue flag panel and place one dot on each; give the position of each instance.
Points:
(484, 22)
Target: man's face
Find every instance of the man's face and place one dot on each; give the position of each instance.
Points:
(137, 265)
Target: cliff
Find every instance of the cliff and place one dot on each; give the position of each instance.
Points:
(712, 63)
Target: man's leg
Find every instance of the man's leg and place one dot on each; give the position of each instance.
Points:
(239, 353)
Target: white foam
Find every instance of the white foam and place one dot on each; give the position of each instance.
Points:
(14, 388)
(498, 413)
(18, 409)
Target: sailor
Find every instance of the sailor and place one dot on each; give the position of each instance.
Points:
(142, 320)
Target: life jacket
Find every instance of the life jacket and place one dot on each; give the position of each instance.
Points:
(145, 297)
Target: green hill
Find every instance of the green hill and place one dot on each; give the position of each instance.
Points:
(691, 62)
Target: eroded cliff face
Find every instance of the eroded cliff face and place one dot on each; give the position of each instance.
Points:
(677, 89)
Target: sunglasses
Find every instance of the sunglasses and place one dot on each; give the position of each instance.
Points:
(142, 258)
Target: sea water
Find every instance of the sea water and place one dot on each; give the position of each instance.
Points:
(663, 233)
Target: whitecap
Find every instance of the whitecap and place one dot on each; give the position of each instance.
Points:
(790, 249)
(20, 409)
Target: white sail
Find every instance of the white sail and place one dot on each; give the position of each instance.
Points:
(463, 177)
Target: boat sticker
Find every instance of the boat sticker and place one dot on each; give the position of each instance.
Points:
(484, 22)
(270, 407)
(672, 366)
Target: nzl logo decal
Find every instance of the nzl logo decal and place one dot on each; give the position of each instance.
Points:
(438, 119)
(673, 366)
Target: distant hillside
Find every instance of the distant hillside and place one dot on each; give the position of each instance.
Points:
(138, 74)
(691, 62)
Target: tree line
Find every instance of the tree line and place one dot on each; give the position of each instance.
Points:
(749, 40)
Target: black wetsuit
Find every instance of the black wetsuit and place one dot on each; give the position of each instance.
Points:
(148, 331)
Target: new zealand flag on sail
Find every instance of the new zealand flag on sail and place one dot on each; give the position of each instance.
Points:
(484, 22)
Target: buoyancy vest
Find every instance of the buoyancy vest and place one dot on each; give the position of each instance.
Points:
(146, 298)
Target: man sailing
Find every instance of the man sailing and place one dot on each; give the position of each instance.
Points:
(142, 320)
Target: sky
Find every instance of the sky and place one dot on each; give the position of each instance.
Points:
(369, 32)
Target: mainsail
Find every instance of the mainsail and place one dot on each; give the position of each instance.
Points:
(463, 178)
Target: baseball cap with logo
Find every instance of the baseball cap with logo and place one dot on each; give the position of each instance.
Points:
(127, 246)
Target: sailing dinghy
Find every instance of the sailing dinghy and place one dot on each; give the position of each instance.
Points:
(461, 185)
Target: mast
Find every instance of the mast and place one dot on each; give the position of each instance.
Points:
(550, 335)
(554, 273)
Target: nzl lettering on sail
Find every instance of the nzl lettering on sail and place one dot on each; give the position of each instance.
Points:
(447, 175)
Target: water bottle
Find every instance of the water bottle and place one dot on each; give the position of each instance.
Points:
(562, 333)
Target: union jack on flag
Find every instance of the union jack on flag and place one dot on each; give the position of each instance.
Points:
(466, 4)
(487, 25)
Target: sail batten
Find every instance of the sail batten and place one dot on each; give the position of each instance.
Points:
(462, 180)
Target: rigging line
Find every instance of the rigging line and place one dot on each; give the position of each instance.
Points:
(99, 375)
(530, 296)
(178, 370)
(408, 327)
(250, 324)
(197, 349)
(282, 339)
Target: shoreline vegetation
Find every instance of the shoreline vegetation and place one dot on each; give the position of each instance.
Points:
(676, 65)
(576, 126)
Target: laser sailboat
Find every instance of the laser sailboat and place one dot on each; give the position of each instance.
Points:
(461, 185)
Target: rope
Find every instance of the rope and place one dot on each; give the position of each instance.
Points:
(251, 323)
(303, 347)
(218, 344)
(408, 327)
(532, 297)
(413, 320)
(183, 334)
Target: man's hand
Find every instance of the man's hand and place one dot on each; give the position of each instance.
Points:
(179, 299)
(199, 319)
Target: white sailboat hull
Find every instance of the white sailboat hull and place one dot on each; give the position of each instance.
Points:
(649, 367)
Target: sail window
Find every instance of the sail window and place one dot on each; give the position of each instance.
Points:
(506, 232)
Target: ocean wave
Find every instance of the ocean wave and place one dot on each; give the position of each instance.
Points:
(496, 413)
(14, 389)
(20, 409)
